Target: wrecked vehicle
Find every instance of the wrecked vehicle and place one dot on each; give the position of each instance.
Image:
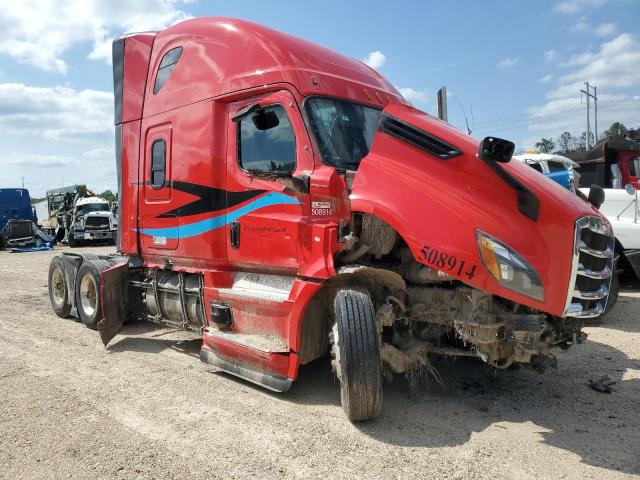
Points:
(561, 170)
(92, 221)
(285, 202)
(17, 219)
(77, 216)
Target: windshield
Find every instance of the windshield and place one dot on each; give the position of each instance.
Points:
(92, 207)
(343, 130)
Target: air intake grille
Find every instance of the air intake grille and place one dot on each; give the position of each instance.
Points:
(416, 137)
(591, 270)
(19, 229)
(96, 222)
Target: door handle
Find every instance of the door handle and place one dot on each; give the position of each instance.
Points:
(235, 234)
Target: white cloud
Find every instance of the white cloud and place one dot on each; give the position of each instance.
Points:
(54, 112)
(613, 66)
(375, 59)
(569, 114)
(100, 153)
(613, 69)
(39, 32)
(38, 161)
(508, 62)
(414, 96)
(551, 56)
(581, 25)
(547, 78)
(606, 29)
(574, 6)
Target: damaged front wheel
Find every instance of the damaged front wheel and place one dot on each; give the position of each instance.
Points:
(356, 355)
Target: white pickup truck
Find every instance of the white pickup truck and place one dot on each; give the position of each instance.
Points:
(622, 209)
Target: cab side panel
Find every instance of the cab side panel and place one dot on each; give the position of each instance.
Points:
(179, 218)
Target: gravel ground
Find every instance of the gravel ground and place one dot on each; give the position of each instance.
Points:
(147, 408)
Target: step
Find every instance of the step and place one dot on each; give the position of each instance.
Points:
(259, 286)
(262, 343)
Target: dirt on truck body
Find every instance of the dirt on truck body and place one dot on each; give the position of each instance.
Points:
(301, 206)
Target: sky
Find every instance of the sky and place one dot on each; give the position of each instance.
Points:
(513, 69)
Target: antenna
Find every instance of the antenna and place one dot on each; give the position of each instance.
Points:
(464, 113)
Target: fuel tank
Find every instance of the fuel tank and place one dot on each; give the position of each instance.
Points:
(424, 178)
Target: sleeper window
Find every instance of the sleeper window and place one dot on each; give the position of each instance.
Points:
(167, 64)
(266, 142)
(158, 163)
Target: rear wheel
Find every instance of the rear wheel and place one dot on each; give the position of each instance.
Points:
(58, 288)
(88, 292)
(356, 355)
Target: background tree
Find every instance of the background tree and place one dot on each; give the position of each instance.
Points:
(617, 129)
(545, 145)
(566, 142)
(582, 142)
(108, 196)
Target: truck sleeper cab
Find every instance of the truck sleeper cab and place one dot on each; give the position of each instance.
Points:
(285, 202)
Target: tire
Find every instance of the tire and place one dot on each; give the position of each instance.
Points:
(88, 292)
(58, 288)
(356, 355)
(614, 290)
(73, 243)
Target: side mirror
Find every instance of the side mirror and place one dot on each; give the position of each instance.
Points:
(496, 149)
(596, 196)
(265, 119)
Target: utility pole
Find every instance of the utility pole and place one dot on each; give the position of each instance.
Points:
(595, 101)
(22, 178)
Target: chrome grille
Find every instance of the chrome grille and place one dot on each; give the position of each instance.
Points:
(591, 269)
(96, 222)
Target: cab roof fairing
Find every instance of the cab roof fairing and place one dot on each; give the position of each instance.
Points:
(91, 200)
(225, 55)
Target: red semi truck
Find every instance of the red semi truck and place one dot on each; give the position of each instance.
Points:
(285, 202)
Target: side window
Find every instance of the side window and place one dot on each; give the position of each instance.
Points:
(158, 163)
(266, 142)
(167, 64)
(556, 167)
(536, 166)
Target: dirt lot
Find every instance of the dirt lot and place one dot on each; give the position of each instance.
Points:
(147, 408)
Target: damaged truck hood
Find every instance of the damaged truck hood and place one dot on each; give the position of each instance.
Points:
(423, 177)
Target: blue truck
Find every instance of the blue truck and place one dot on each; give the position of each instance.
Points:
(556, 167)
(17, 218)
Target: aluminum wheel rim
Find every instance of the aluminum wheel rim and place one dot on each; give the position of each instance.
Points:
(58, 288)
(88, 295)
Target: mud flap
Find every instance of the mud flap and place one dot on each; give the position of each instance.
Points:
(71, 262)
(113, 295)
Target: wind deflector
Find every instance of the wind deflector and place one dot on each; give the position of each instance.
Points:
(117, 50)
(416, 137)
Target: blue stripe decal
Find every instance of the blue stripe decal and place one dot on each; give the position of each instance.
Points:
(203, 226)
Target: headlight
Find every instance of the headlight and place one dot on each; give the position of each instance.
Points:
(508, 268)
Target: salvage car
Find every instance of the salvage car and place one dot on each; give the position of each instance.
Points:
(561, 170)
(285, 202)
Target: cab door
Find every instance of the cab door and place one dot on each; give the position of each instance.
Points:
(269, 166)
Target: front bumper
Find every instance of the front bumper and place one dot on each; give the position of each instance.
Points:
(94, 234)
